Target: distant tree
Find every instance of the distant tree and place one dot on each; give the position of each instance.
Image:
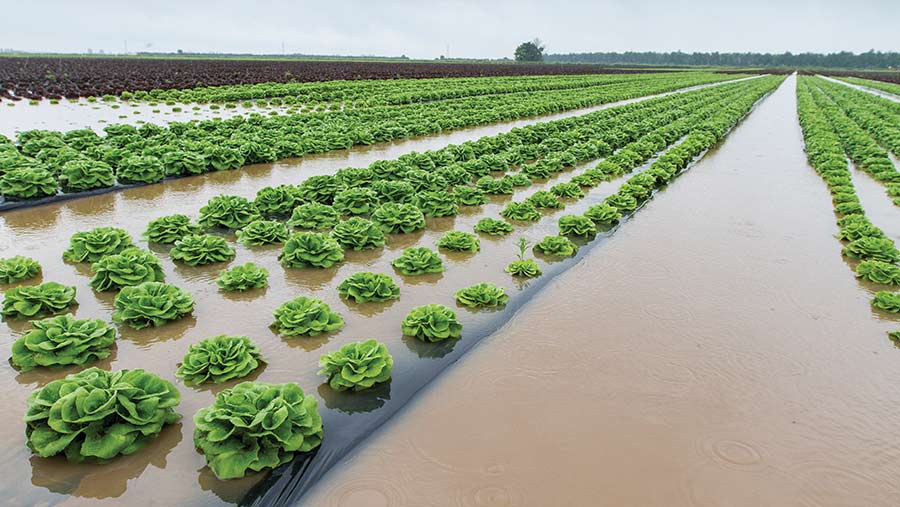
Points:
(532, 51)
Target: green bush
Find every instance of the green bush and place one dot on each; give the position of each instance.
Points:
(521, 211)
(603, 214)
(62, 341)
(151, 304)
(358, 234)
(576, 225)
(219, 359)
(85, 174)
(311, 249)
(357, 366)
(132, 266)
(558, 246)
(398, 218)
(887, 301)
(18, 268)
(263, 232)
(96, 415)
(255, 426)
(140, 169)
(364, 287)
(228, 211)
(90, 246)
(431, 323)
(493, 227)
(305, 316)
(169, 229)
(879, 272)
(418, 261)
(27, 183)
(459, 241)
(36, 300)
(244, 277)
(314, 216)
(481, 295)
(201, 249)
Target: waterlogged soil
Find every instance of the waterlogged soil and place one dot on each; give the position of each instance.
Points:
(716, 350)
(170, 471)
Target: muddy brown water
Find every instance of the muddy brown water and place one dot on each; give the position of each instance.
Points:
(715, 351)
(170, 472)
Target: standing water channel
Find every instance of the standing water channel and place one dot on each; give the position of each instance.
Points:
(716, 350)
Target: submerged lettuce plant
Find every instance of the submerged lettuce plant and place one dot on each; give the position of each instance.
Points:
(305, 316)
(521, 211)
(545, 199)
(576, 225)
(418, 261)
(459, 241)
(622, 202)
(151, 304)
(879, 272)
(18, 269)
(132, 266)
(357, 366)
(85, 174)
(263, 232)
(62, 341)
(431, 323)
(219, 359)
(398, 218)
(481, 295)
(469, 196)
(358, 234)
(437, 203)
(36, 300)
(311, 249)
(365, 287)
(276, 201)
(90, 246)
(201, 249)
(567, 190)
(558, 246)
(315, 216)
(603, 214)
(493, 226)
(255, 426)
(869, 248)
(244, 277)
(27, 183)
(523, 267)
(228, 211)
(169, 229)
(356, 201)
(887, 301)
(140, 169)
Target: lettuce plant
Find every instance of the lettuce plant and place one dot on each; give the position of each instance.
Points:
(500, 186)
(364, 287)
(132, 266)
(18, 268)
(431, 323)
(263, 232)
(567, 191)
(140, 169)
(255, 426)
(36, 300)
(469, 196)
(62, 341)
(894, 336)
(315, 216)
(493, 226)
(228, 211)
(545, 199)
(96, 415)
(244, 277)
(85, 174)
(518, 179)
(169, 229)
(358, 234)
(305, 316)
(357, 366)
(182, 162)
(869, 248)
(418, 261)
(90, 246)
(526, 268)
(151, 304)
(276, 201)
(887, 301)
(481, 295)
(27, 183)
(319, 189)
(459, 241)
(400, 192)
(857, 230)
(879, 272)
(521, 211)
(603, 214)
(398, 218)
(437, 203)
(201, 249)
(356, 201)
(558, 246)
(622, 202)
(576, 225)
(311, 249)
(219, 359)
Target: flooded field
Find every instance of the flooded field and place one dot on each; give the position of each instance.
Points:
(715, 351)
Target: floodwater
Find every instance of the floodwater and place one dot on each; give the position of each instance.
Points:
(170, 472)
(715, 351)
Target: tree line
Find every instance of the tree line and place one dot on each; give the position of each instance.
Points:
(845, 59)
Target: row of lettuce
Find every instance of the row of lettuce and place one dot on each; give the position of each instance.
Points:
(42, 164)
(892, 88)
(96, 415)
(830, 139)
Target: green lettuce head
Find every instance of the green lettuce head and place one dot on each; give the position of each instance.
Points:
(356, 201)
(521, 211)
(90, 246)
(545, 199)
(558, 246)
(365, 287)
(869, 248)
(358, 234)
(879, 272)
(314, 216)
(151, 304)
(493, 227)
(219, 359)
(37, 300)
(437, 203)
(567, 191)
(396, 218)
(62, 341)
(576, 225)
(133, 266)
(305, 316)
(169, 229)
(27, 183)
(887, 301)
(418, 261)
(244, 277)
(459, 241)
(603, 214)
(432, 323)
(311, 249)
(201, 249)
(140, 169)
(18, 269)
(263, 232)
(481, 295)
(228, 211)
(357, 366)
(526, 268)
(86, 174)
(276, 201)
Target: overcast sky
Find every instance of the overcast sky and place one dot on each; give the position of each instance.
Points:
(424, 29)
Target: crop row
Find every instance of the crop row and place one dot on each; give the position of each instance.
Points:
(888, 87)
(45, 163)
(864, 242)
(35, 78)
